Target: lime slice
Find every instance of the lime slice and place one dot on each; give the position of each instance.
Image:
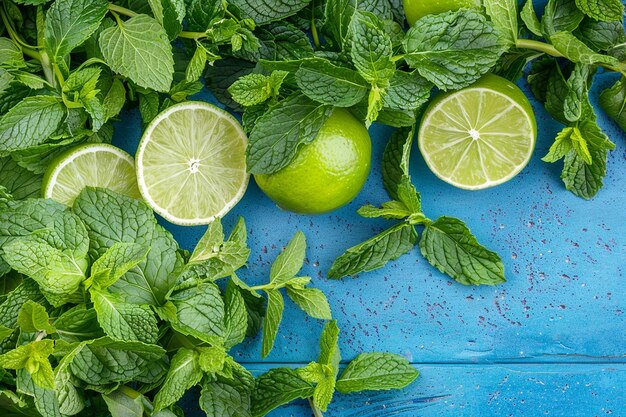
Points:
(95, 165)
(191, 163)
(478, 137)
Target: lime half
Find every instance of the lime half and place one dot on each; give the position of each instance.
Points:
(191, 163)
(94, 165)
(480, 136)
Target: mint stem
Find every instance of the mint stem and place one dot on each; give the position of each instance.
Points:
(122, 10)
(192, 35)
(316, 411)
(538, 46)
(314, 34)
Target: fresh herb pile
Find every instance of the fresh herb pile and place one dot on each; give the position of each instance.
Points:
(103, 313)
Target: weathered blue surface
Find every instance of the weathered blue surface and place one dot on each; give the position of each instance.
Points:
(551, 341)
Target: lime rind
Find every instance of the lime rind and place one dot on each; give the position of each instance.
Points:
(477, 137)
(96, 165)
(191, 165)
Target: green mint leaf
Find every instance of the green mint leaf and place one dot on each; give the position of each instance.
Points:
(277, 387)
(32, 357)
(578, 92)
(279, 133)
(561, 147)
(5, 80)
(196, 66)
(70, 399)
(110, 218)
(407, 91)
(323, 393)
(613, 102)
(337, 17)
(271, 322)
(560, 15)
(371, 49)
(224, 399)
(282, 41)
(200, 312)
(389, 210)
(30, 122)
(329, 84)
(11, 56)
(374, 105)
(209, 244)
(601, 36)
(578, 52)
(13, 302)
(313, 372)
(453, 49)
(395, 168)
(70, 23)
(115, 262)
(124, 321)
(124, 402)
(169, 14)
(78, 324)
(329, 346)
(289, 261)
(311, 300)
(149, 106)
(104, 361)
(19, 182)
(530, 19)
(449, 246)
(140, 50)
(254, 89)
(44, 398)
(222, 74)
(200, 13)
(5, 332)
(376, 371)
(376, 252)
(183, 374)
(270, 10)
(82, 83)
(603, 10)
(33, 317)
(503, 14)
(212, 359)
(236, 317)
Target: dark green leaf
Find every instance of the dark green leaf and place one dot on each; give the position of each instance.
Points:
(266, 11)
(530, 19)
(371, 49)
(277, 387)
(200, 312)
(560, 15)
(184, 373)
(19, 182)
(603, 10)
(273, 317)
(329, 84)
(613, 102)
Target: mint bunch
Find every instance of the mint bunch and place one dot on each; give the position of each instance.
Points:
(101, 313)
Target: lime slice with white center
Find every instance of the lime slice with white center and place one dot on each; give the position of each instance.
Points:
(94, 165)
(191, 163)
(480, 136)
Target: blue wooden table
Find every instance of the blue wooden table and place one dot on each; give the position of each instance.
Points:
(551, 341)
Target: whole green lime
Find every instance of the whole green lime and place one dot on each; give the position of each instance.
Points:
(416, 9)
(325, 174)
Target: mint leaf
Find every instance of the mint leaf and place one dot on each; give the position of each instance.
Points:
(395, 169)
(200, 312)
(603, 10)
(376, 371)
(30, 122)
(209, 244)
(329, 84)
(289, 261)
(124, 321)
(223, 399)
(329, 347)
(613, 102)
(183, 374)
(200, 13)
(562, 145)
(311, 300)
(115, 262)
(530, 19)
(69, 398)
(450, 247)
(503, 14)
(273, 317)
(602, 36)
(33, 317)
(323, 394)
(18, 181)
(338, 15)
(453, 49)
(196, 66)
(279, 133)
(407, 91)
(266, 11)
(560, 15)
(11, 56)
(371, 49)
(110, 218)
(140, 50)
(236, 317)
(10, 308)
(578, 52)
(32, 357)
(283, 41)
(277, 387)
(578, 95)
(376, 252)
(389, 210)
(78, 324)
(169, 14)
(254, 89)
(70, 23)
(124, 402)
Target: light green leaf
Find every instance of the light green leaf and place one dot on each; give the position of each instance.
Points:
(329, 347)
(376, 252)
(311, 300)
(576, 51)
(200, 312)
(253, 89)
(313, 372)
(453, 49)
(5, 80)
(273, 317)
(562, 146)
(169, 14)
(10, 54)
(209, 244)
(323, 393)
(115, 262)
(449, 246)
(376, 371)
(183, 374)
(196, 66)
(33, 357)
(4, 333)
(124, 321)
(279, 133)
(289, 261)
(68, 24)
(212, 359)
(125, 402)
(530, 19)
(114, 99)
(33, 317)
(277, 387)
(225, 400)
(603, 10)
(10, 308)
(371, 49)
(503, 14)
(140, 50)
(30, 122)
(389, 210)
(329, 84)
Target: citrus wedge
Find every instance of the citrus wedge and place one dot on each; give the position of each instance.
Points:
(191, 163)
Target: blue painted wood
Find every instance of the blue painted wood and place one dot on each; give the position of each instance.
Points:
(552, 340)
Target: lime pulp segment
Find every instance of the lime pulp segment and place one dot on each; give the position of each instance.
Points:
(96, 165)
(191, 163)
(477, 138)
